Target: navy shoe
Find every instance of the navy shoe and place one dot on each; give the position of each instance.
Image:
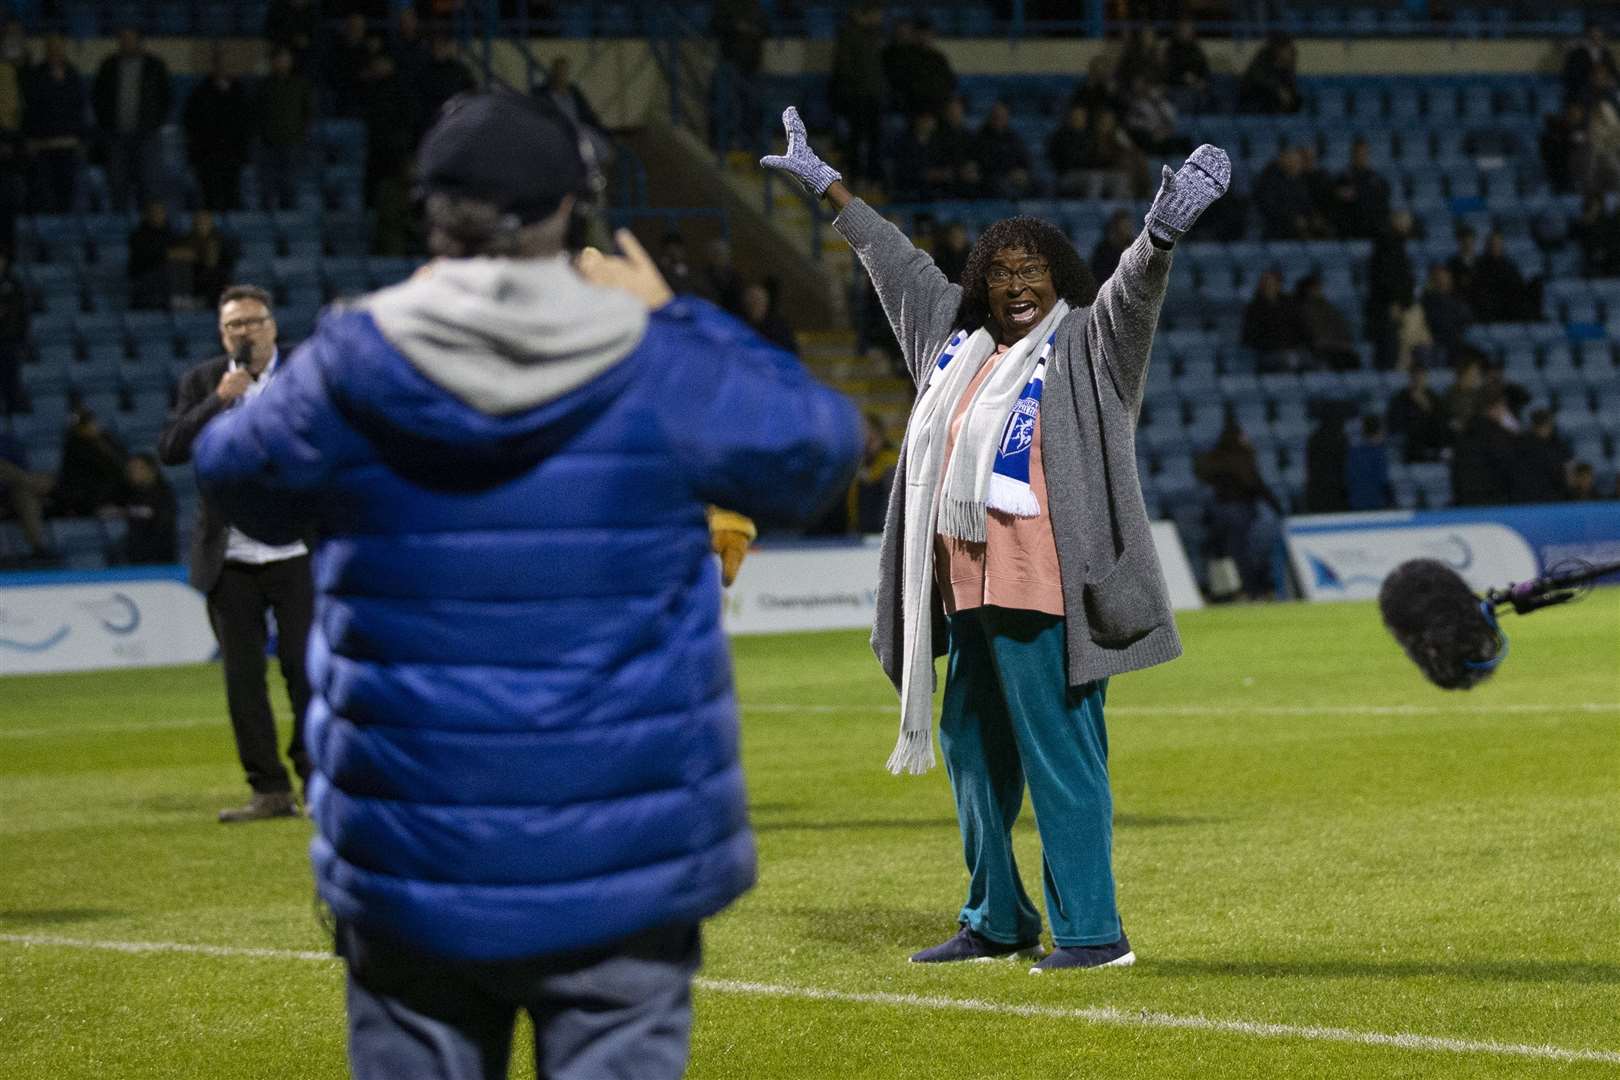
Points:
(1063, 957)
(968, 944)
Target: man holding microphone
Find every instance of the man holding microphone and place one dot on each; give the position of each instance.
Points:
(524, 732)
(242, 576)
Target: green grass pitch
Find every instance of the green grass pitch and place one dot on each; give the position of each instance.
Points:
(1328, 869)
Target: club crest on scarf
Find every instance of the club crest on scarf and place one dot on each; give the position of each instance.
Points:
(1020, 429)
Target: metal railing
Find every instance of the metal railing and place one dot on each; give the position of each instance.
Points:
(717, 104)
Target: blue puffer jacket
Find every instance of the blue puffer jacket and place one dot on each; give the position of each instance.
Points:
(524, 728)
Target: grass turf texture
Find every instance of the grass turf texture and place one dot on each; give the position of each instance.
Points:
(1307, 835)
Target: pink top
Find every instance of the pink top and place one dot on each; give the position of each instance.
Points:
(1017, 565)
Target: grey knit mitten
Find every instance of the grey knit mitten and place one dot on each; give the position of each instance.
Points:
(1187, 192)
(801, 162)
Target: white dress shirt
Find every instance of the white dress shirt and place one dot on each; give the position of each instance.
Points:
(239, 546)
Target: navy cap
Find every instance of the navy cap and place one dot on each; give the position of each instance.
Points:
(501, 148)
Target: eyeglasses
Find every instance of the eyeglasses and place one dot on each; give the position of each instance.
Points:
(1029, 274)
(238, 325)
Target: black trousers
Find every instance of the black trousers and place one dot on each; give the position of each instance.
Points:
(236, 608)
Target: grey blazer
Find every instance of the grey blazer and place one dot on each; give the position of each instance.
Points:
(1118, 616)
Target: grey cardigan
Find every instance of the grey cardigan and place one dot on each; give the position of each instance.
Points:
(1118, 615)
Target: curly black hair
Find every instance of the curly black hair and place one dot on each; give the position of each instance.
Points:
(1071, 277)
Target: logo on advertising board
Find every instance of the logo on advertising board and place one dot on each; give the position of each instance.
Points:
(1351, 564)
(21, 633)
(86, 626)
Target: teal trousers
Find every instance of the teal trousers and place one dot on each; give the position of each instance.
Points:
(1010, 717)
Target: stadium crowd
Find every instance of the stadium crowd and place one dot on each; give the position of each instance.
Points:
(904, 139)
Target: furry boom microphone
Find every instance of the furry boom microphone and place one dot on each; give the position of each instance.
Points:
(1451, 634)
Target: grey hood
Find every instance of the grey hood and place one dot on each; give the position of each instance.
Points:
(507, 335)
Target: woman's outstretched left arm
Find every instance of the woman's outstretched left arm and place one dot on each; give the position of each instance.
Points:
(1126, 311)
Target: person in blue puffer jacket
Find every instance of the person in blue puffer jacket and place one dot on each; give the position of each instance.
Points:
(524, 732)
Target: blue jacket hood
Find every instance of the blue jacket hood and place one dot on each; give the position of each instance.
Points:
(479, 364)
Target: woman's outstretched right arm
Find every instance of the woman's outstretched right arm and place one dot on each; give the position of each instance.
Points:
(918, 299)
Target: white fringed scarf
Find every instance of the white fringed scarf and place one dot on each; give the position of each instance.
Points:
(988, 470)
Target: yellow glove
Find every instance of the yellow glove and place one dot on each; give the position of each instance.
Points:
(730, 534)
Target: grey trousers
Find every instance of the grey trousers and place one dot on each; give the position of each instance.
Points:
(620, 1011)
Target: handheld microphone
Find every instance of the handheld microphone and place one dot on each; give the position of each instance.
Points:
(1549, 589)
(1450, 633)
(242, 358)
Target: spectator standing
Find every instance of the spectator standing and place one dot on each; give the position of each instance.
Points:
(1447, 314)
(1597, 231)
(292, 25)
(1118, 235)
(1245, 512)
(721, 282)
(1142, 56)
(1327, 462)
(1464, 264)
(1547, 456)
(920, 171)
(1283, 200)
(738, 26)
(25, 492)
(347, 63)
(151, 514)
(856, 90)
(1186, 67)
(1098, 91)
(1002, 157)
(219, 122)
(1487, 468)
(390, 109)
(955, 148)
(1418, 418)
(1367, 469)
(409, 48)
(952, 251)
(1111, 151)
(131, 97)
(1361, 196)
(759, 311)
(1271, 325)
(14, 69)
(920, 76)
(91, 479)
(1501, 293)
(14, 318)
(1324, 328)
(561, 93)
(286, 110)
(1067, 152)
(53, 125)
(1151, 120)
(1270, 82)
(1582, 484)
(13, 65)
(565, 904)
(152, 246)
(241, 576)
(1566, 148)
(446, 76)
(1466, 398)
(1391, 284)
(211, 256)
(1585, 59)
(675, 264)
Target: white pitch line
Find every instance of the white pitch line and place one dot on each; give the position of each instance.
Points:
(1536, 708)
(1256, 710)
(112, 729)
(1102, 1015)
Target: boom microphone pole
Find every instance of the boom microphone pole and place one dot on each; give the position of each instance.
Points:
(1451, 634)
